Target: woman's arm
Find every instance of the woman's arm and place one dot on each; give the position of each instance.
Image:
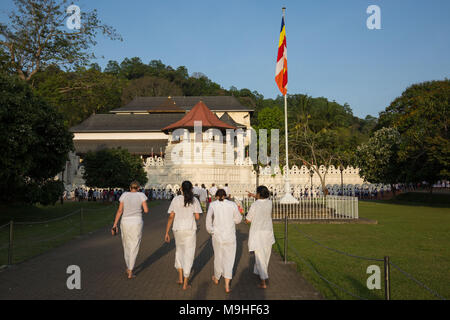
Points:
(118, 215)
(169, 224)
(209, 220)
(251, 195)
(144, 205)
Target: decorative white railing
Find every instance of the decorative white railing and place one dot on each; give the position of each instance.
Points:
(313, 208)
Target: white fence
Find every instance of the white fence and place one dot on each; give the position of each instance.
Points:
(313, 208)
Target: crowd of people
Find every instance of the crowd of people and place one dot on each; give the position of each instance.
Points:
(184, 211)
(94, 194)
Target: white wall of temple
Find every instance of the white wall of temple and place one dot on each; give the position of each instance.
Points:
(241, 178)
(239, 175)
(120, 136)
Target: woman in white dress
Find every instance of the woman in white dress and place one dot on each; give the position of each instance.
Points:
(203, 195)
(261, 237)
(130, 209)
(221, 219)
(183, 212)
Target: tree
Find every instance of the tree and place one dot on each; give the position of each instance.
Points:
(378, 159)
(313, 149)
(270, 118)
(422, 117)
(113, 168)
(133, 68)
(36, 36)
(80, 93)
(149, 87)
(321, 133)
(35, 144)
(112, 67)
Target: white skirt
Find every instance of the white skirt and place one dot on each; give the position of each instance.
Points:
(185, 242)
(131, 231)
(224, 256)
(262, 257)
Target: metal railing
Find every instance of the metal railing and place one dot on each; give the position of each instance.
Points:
(313, 208)
(43, 231)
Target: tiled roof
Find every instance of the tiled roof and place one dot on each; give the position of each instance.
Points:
(199, 113)
(214, 103)
(127, 122)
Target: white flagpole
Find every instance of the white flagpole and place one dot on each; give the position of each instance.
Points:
(287, 198)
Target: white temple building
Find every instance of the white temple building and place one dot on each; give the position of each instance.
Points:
(159, 129)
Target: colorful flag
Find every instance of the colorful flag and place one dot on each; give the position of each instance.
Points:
(281, 77)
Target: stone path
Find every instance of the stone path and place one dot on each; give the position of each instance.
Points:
(100, 257)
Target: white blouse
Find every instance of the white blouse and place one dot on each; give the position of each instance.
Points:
(261, 228)
(132, 204)
(184, 216)
(221, 220)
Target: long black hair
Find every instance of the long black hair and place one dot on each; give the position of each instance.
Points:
(186, 188)
(221, 194)
(263, 192)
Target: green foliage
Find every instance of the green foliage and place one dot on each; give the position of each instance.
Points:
(270, 118)
(34, 141)
(148, 86)
(79, 93)
(113, 168)
(378, 159)
(421, 116)
(36, 36)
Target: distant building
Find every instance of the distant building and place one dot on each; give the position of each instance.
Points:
(138, 125)
(146, 126)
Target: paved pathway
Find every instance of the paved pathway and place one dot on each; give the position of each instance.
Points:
(100, 258)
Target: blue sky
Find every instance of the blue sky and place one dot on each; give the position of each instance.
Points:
(331, 52)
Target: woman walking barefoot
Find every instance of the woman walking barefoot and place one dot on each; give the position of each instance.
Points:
(130, 209)
(261, 237)
(183, 212)
(221, 219)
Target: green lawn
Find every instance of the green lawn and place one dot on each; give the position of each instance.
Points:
(415, 237)
(34, 239)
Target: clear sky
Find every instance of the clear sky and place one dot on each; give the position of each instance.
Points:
(331, 52)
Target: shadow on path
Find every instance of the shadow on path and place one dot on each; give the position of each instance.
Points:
(158, 254)
(202, 259)
(246, 284)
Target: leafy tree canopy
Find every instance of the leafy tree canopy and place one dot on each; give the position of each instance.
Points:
(35, 144)
(113, 168)
(378, 159)
(422, 117)
(36, 36)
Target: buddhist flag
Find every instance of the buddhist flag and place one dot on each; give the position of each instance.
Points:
(281, 77)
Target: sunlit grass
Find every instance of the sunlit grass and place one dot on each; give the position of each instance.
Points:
(416, 238)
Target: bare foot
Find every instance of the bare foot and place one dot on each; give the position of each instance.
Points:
(214, 279)
(227, 290)
(179, 281)
(186, 287)
(262, 286)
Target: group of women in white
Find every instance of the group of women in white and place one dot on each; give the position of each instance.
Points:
(222, 217)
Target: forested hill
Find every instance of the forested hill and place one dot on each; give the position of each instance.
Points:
(78, 94)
